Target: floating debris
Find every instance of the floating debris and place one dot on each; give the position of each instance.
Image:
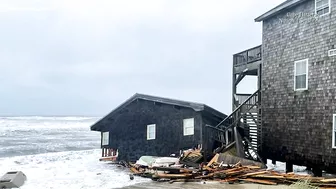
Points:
(220, 168)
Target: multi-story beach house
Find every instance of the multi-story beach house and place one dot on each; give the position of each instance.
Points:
(293, 115)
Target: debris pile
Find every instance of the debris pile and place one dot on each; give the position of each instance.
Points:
(190, 168)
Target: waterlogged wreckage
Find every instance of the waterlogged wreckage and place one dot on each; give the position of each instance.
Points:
(189, 167)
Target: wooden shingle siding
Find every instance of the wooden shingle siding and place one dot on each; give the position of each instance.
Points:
(128, 130)
(297, 125)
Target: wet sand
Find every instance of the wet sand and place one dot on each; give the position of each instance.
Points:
(199, 185)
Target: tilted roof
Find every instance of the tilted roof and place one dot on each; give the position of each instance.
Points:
(193, 105)
(283, 6)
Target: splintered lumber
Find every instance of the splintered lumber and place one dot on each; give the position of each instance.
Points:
(205, 176)
(268, 176)
(235, 170)
(258, 181)
(324, 185)
(254, 173)
(135, 171)
(231, 173)
(229, 180)
(192, 158)
(173, 169)
(185, 180)
(213, 160)
(110, 158)
(172, 176)
(208, 168)
(237, 164)
(252, 167)
(328, 180)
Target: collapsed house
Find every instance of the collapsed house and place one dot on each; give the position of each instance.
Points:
(155, 126)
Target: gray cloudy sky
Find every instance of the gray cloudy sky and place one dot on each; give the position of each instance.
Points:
(84, 57)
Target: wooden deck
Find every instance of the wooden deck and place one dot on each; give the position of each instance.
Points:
(248, 56)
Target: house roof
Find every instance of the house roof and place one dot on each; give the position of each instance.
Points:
(193, 105)
(283, 6)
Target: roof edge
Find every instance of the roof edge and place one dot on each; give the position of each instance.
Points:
(195, 106)
(283, 6)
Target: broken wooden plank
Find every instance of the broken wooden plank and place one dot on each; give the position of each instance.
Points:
(252, 167)
(185, 180)
(208, 168)
(135, 171)
(173, 169)
(205, 176)
(329, 180)
(228, 180)
(258, 181)
(254, 173)
(214, 159)
(268, 176)
(110, 158)
(172, 176)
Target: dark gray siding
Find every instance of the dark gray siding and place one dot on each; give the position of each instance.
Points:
(128, 129)
(208, 143)
(297, 126)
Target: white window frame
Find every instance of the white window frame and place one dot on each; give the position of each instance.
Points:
(333, 132)
(332, 52)
(148, 131)
(105, 138)
(316, 8)
(186, 127)
(307, 63)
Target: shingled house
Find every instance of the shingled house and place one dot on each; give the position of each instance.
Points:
(292, 116)
(155, 126)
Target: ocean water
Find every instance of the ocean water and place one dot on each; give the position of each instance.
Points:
(57, 152)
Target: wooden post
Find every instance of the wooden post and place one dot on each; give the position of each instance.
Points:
(102, 152)
(289, 167)
(105, 152)
(109, 151)
(234, 87)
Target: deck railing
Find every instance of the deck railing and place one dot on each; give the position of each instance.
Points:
(240, 98)
(109, 152)
(247, 56)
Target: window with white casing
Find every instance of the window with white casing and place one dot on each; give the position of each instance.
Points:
(188, 126)
(322, 7)
(151, 132)
(301, 75)
(334, 132)
(105, 138)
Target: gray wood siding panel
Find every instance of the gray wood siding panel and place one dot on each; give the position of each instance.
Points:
(297, 126)
(128, 130)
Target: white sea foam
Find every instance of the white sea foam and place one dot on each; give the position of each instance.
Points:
(66, 118)
(57, 152)
(72, 170)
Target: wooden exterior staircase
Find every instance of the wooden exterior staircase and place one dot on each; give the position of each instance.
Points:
(242, 126)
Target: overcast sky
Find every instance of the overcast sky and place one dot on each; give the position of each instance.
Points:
(85, 57)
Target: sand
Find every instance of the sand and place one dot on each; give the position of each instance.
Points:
(198, 185)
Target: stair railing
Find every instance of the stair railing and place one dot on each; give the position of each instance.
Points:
(235, 115)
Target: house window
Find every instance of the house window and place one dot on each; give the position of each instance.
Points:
(151, 132)
(188, 126)
(105, 138)
(322, 7)
(301, 75)
(334, 132)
